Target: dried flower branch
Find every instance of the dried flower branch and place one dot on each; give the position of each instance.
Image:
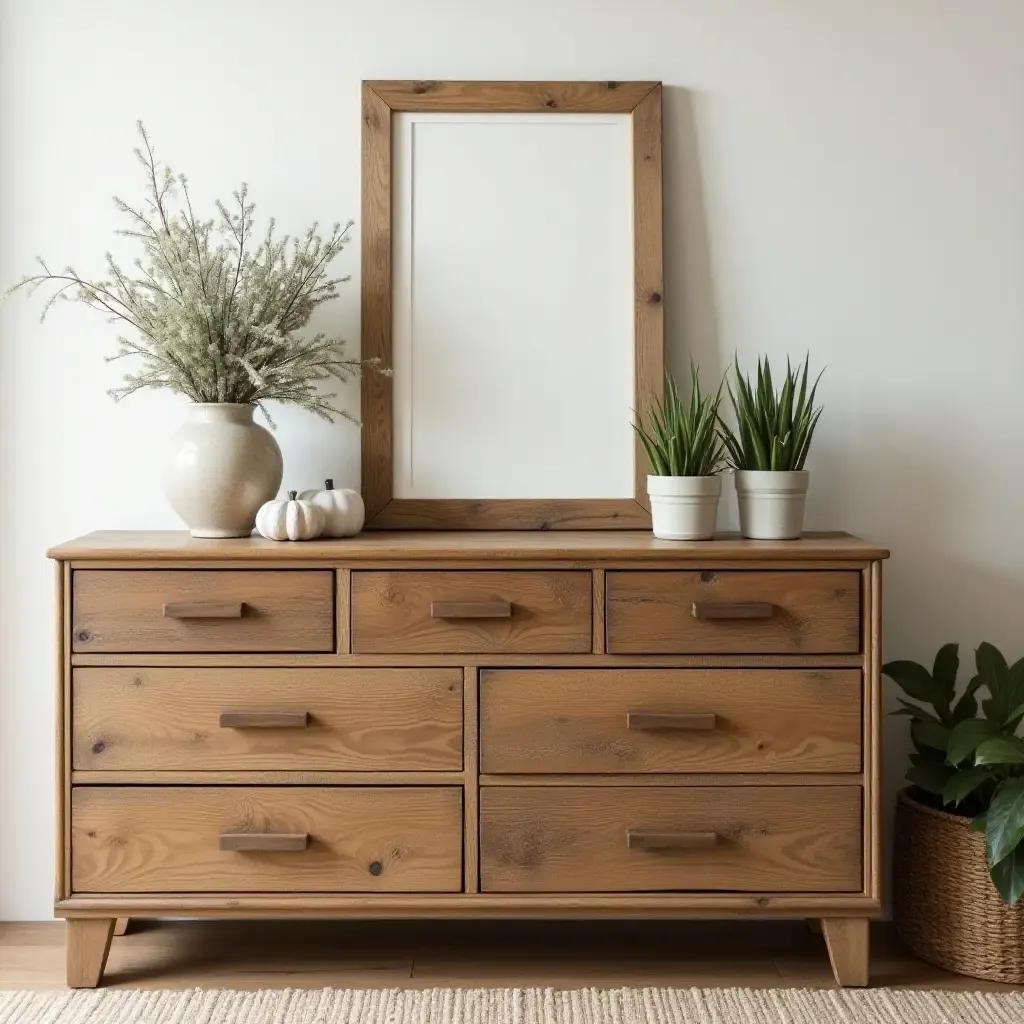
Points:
(216, 319)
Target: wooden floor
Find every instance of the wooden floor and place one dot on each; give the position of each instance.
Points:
(278, 954)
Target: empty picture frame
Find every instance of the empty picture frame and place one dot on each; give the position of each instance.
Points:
(512, 279)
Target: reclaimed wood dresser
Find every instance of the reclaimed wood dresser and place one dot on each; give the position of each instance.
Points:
(507, 725)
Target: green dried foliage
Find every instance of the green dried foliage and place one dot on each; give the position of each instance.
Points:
(971, 762)
(681, 438)
(215, 313)
(773, 428)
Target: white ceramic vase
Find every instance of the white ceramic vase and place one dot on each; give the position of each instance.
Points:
(772, 503)
(220, 468)
(684, 507)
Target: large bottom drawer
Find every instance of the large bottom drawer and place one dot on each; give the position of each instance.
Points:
(266, 839)
(633, 839)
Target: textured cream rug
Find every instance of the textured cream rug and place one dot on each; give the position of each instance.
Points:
(511, 1006)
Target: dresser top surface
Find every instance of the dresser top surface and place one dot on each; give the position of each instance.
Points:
(383, 546)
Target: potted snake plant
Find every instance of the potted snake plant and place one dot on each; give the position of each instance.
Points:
(768, 449)
(686, 457)
(958, 866)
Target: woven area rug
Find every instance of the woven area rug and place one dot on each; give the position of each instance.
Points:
(511, 1006)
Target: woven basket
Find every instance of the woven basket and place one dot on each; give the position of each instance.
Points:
(945, 907)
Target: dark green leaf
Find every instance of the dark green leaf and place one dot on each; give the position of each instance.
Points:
(980, 823)
(1004, 829)
(1008, 876)
(995, 676)
(930, 734)
(932, 776)
(965, 737)
(947, 665)
(967, 706)
(962, 784)
(913, 680)
(915, 711)
(1000, 750)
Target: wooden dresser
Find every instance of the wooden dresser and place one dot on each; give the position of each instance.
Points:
(506, 725)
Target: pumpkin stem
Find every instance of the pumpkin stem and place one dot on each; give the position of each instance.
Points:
(329, 484)
(292, 495)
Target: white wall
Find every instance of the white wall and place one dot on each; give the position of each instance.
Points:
(845, 178)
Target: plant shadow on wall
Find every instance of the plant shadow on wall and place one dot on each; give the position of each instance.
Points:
(213, 311)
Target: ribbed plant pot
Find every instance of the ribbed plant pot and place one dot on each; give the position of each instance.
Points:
(772, 503)
(684, 507)
(945, 907)
(220, 468)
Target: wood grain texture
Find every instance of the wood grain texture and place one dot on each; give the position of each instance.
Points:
(551, 612)
(483, 660)
(874, 816)
(488, 906)
(123, 610)
(813, 612)
(122, 926)
(512, 97)
(375, 325)
(848, 941)
(598, 584)
(471, 785)
(575, 721)
(343, 608)
(574, 840)
(167, 719)
(166, 839)
(88, 943)
(649, 284)
(380, 98)
(235, 955)
(461, 546)
(512, 514)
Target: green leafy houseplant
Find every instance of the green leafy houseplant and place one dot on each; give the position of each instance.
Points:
(681, 437)
(968, 760)
(774, 428)
(213, 312)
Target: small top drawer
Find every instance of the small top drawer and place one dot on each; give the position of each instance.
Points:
(202, 611)
(733, 612)
(471, 612)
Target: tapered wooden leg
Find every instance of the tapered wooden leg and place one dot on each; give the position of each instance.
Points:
(88, 942)
(848, 944)
(122, 925)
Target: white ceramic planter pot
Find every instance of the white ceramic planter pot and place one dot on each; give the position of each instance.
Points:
(772, 504)
(220, 468)
(684, 507)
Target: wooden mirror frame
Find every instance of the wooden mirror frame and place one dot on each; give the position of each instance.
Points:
(642, 100)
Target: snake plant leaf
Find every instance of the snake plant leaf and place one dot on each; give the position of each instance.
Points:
(1004, 828)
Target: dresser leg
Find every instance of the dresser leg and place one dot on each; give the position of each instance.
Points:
(122, 926)
(88, 942)
(848, 948)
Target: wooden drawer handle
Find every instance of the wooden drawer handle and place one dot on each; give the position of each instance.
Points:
(732, 609)
(253, 842)
(652, 720)
(470, 609)
(203, 609)
(639, 839)
(264, 719)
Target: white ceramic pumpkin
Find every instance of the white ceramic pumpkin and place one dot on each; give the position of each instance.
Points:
(343, 510)
(293, 519)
